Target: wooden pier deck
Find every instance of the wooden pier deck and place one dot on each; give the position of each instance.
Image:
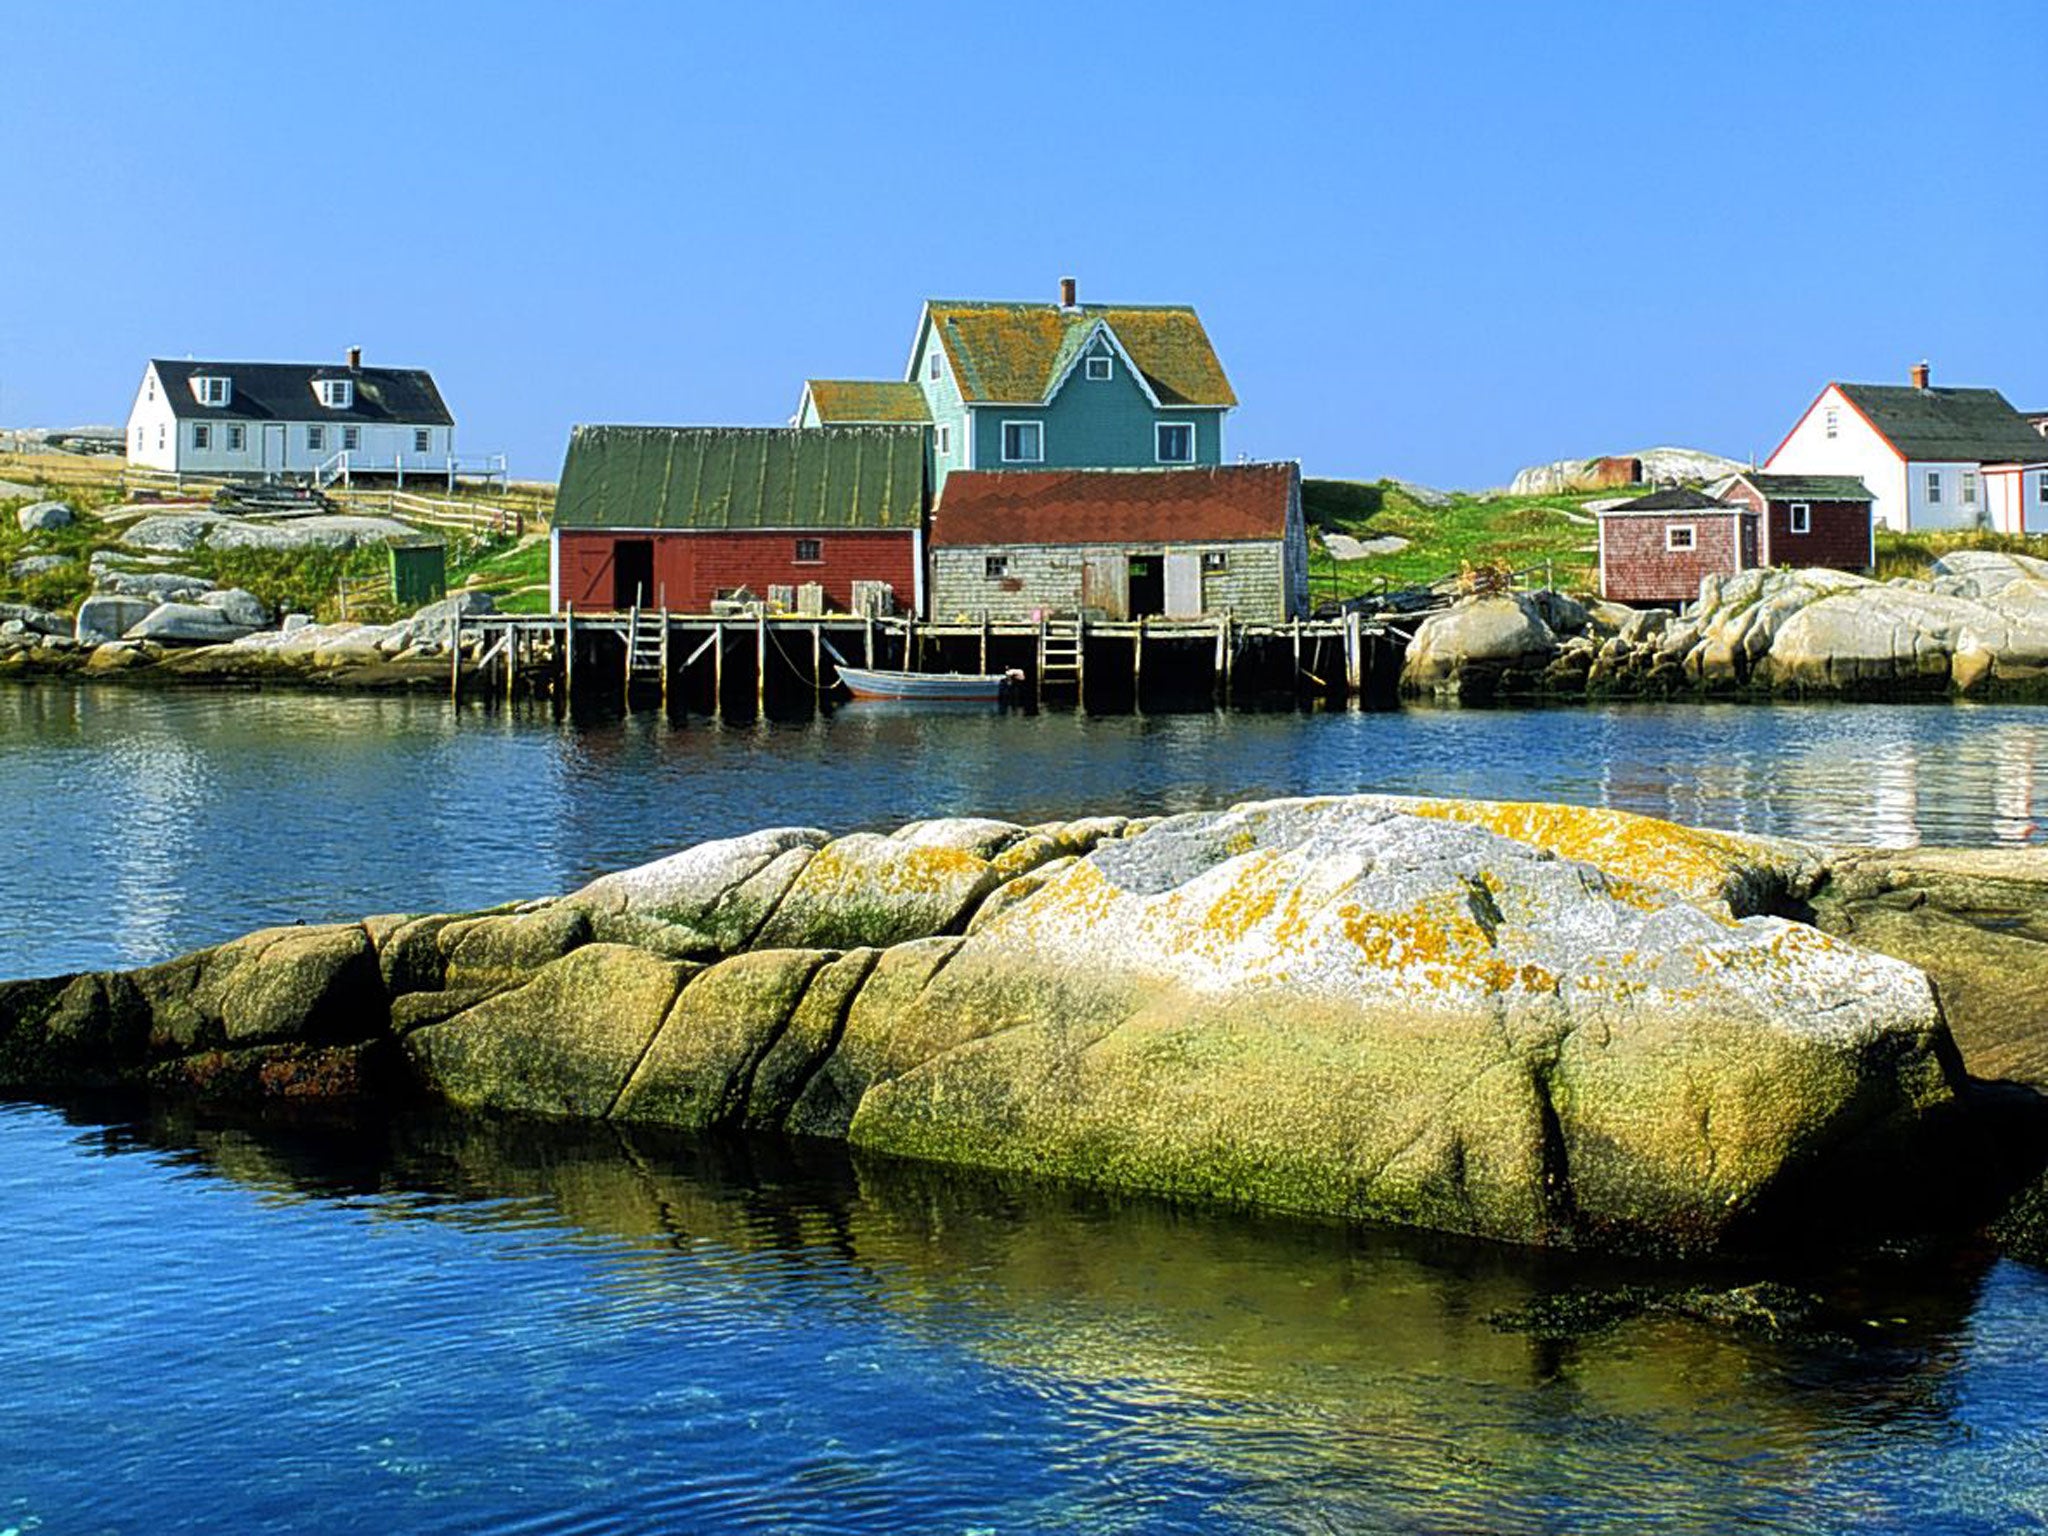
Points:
(738, 666)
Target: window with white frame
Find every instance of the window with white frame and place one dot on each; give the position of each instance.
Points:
(810, 551)
(336, 394)
(1174, 442)
(138, 446)
(995, 567)
(1832, 422)
(1802, 517)
(931, 364)
(944, 436)
(351, 438)
(1969, 488)
(202, 435)
(2041, 488)
(422, 440)
(159, 434)
(1680, 536)
(1934, 487)
(1023, 442)
(238, 437)
(316, 439)
(1214, 560)
(212, 389)
(1100, 367)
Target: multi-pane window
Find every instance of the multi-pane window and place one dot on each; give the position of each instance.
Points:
(1176, 442)
(213, 391)
(1679, 536)
(1214, 560)
(351, 438)
(422, 440)
(1969, 488)
(202, 435)
(1802, 517)
(810, 551)
(337, 394)
(1934, 487)
(945, 437)
(316, 439)
(995, 567)
(2041, 488)
(1833, 421)
(238, 437)
(1023, 442)
(931, 365)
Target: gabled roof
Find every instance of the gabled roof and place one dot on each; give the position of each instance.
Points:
(1678, 498)
(1954, 424)
(1011, 354)
(1806, 487)
(867, 402)
(284, 392)
(1115, 506)
(743, 477)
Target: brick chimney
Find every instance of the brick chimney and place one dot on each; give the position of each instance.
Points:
(1067, 294)
(355, 358)
(1920, 374)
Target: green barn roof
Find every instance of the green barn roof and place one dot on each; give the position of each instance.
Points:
(743, 477)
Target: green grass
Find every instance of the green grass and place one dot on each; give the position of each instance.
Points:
(514, 573)
(1910, 554)
(1518, 531)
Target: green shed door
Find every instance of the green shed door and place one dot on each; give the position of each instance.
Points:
(419, 574)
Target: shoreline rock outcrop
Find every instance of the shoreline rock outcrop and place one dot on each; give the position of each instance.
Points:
(1539, 1024)
(1977, 627)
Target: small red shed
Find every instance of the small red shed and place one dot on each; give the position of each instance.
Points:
(1656, 548)
(675, 517)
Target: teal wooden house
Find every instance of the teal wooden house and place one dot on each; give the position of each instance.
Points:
(1047, 386)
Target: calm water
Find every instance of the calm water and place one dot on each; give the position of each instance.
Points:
(469, 1325)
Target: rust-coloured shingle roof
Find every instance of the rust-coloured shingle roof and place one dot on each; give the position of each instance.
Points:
(1114, 506)
(867, 402)
(1010, 354)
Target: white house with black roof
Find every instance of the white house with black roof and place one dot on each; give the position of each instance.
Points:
(289, 420)
(1932, 458)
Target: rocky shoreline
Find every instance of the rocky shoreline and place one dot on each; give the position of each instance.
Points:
(1537, 1024)
(1977, 628)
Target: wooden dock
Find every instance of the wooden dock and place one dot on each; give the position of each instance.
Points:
(744, 666)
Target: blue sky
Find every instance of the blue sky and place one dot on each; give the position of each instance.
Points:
(1430, 241)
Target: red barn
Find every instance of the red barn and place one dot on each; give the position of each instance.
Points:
(675, 517)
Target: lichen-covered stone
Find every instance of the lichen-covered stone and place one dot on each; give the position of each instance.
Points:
(503, 951)
(706, 900)
(563, 1044)
(871, 890)
(873, 1043)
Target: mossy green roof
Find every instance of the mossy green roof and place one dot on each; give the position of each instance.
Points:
(865, 402)
(1012, 353)
(743, 477)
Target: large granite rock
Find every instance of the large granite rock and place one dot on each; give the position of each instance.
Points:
(185, 624)
(38, 565)
(1482, 646)
(241, 608)
(322, 531)
(1534, 1023)
(172, 532)
(163, 586)
(37, 620)
(108, 616)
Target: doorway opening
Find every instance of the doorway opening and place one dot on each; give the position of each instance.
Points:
(1148, 586)
(633, 573)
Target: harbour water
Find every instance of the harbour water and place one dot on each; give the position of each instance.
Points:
(453, 1324)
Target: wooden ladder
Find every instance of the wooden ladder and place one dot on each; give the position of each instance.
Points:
(646, 647)
(1059, 656)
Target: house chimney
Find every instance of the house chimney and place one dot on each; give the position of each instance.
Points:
(1920, 374)
(1067, 299)
(355, 358)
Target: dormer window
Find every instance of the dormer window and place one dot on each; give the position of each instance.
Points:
(212, 389)
(335, 394)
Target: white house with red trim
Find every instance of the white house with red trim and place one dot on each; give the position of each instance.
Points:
(1932, 458)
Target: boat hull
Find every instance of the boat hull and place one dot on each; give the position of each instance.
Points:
(924, 687)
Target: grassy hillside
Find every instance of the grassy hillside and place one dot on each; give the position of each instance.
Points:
(1519, 531)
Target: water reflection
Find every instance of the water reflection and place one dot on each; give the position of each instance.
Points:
(149, 822)
(1121, 1364)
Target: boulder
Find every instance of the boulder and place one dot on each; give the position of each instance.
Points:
(322, 531)
(238, 607)
(437, 622)
(1343, 1007)
(185, 624)
(706, 900)
(312, 984)
(178, 532)
(1478, 647)
(44, 516)
(869, 890)
(39, 620)
(117, 656)
(38, 565)
(107, 616)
